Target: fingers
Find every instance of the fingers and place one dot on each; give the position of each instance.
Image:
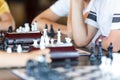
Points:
(46, 52)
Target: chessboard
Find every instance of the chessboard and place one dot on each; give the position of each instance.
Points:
(100, 66)
(28, 38)
(107, 70)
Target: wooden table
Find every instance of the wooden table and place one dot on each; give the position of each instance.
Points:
(7, 75)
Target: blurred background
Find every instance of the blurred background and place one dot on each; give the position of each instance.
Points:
(25, 10)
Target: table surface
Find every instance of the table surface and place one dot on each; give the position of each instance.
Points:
(6, 74)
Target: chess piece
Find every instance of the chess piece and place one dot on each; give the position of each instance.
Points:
(45, 30)
(68, 40)
(27, 27)
(1, 46)
(51, 33)
(30, 67)
(67, 64)
(100, 53)
(35, 43)
(9, 50)
(10, 29)
(110, 48)
(58, 36)
(42, 43)
(42, 68)
(19, 49)
(52, 42)
(47, 40)
(14, 46)
(92, 56)
(34, 26)
(5, 44)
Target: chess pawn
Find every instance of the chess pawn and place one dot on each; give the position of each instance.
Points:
(19, 30)
(10, 29)
(27, 28)
(34, 26)
(35, 43)
(19, 49)
(9, 50)
(52, 42)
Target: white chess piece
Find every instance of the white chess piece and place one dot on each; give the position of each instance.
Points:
(68, 40)
(42, 43)
(34, 26)
(27, 27)
(35, 43)
(58, 36)
(19, 30)
(19, 49)
(52, 42)
(47, 40)
(9, 50)
(44, 32)
(115, 65)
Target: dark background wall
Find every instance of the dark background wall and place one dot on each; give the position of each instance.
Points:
(25, 10)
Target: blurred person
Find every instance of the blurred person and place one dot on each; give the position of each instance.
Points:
(104, 15)
(56, 11)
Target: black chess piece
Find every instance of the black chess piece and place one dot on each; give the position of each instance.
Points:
(10, 29)
(14, 46)
(1, 35)
(51, 33)
(42, 70)
(92, 56)
(1, 46)
(100, 52)
(46, 26)
(110, 51)
(5, 44)
(67, 64)
(30, 67)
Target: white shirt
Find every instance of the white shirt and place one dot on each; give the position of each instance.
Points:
(105, 15)
(62, 7)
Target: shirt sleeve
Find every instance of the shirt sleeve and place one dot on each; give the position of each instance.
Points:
(116, 16)
(92, 16)
(61, 7)
(3, 7)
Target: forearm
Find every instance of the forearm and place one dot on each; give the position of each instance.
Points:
(42, 22)
(78, 25)
(13, 60)
(69, 22)
(19, 60)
